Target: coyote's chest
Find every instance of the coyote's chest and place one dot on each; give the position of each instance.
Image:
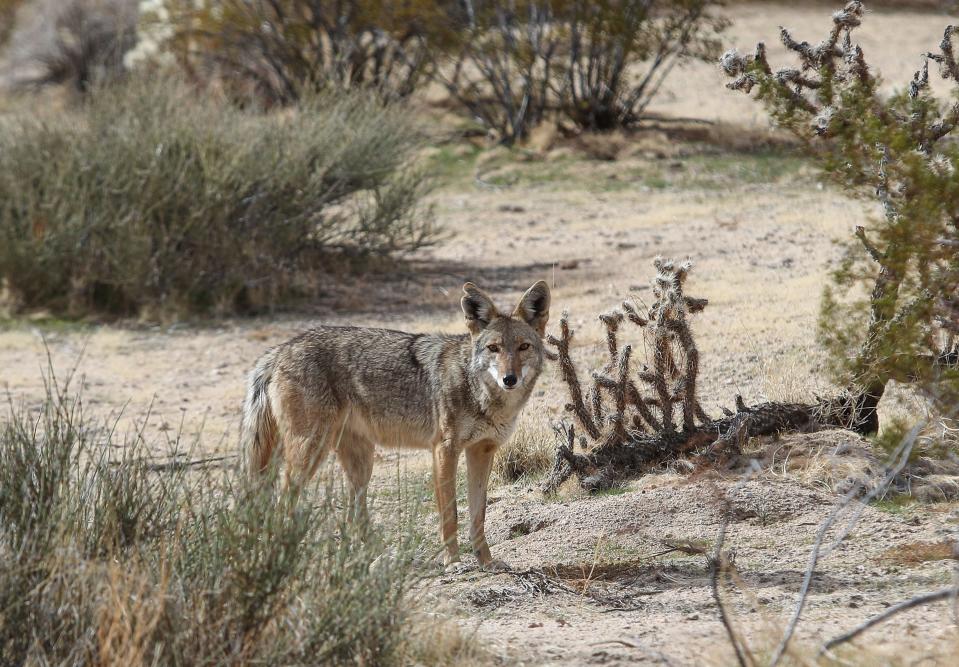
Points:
(494, 425)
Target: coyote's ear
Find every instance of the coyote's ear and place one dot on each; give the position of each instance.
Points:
(478, 308)
(533, 308)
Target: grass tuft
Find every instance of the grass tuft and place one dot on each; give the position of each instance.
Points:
(527, 455)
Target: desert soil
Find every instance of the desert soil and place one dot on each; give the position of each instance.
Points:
(761, 230)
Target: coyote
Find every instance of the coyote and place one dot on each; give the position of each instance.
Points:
(346, 388)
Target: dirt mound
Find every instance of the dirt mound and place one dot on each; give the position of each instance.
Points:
(616, 578)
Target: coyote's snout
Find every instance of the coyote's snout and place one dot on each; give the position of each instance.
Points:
(346, 388)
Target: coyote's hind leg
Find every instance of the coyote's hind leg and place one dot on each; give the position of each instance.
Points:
(355, 454)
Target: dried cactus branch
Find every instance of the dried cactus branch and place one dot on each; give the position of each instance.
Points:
(568, 371)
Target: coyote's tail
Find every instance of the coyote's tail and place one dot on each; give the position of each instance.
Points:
(258, 434)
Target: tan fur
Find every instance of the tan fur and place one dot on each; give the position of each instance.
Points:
(342, 389)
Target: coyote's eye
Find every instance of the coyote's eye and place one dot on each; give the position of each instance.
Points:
(524, 347)
(493, 348)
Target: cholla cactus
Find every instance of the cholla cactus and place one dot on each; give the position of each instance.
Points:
(892, 149)
(620, 405)
(634, 420)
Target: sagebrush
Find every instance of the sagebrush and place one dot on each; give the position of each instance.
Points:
(152, 200)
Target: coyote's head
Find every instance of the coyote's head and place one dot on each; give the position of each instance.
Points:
(507, 349)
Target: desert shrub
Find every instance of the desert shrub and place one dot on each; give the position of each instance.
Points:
(152, 200)
(282, 50)
(619, 52)
(887, 313)
(107, 557)
(501, 66)
(75, 42)
(516, 60)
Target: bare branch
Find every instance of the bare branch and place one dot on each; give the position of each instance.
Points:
(927, 598)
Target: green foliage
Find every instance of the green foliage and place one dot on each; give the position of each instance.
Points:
(888, 313)
(108, 558)
(152, 200)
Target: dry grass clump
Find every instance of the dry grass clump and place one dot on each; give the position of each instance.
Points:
(916, 553)
(526, 455)
(107, 557)
(150, 200)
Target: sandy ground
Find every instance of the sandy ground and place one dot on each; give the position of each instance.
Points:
(761, 232)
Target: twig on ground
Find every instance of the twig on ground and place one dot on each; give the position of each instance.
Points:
(174, 466)
(719, 563)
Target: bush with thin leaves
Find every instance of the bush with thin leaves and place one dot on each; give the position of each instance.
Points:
(150, 200)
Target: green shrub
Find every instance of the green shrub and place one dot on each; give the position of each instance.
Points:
(890, 313)
(152, 200)
(108, 558)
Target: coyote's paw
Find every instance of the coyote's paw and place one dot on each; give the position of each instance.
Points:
(495, 565)
(456, 567)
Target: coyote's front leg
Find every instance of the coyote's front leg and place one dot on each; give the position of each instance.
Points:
(479, 462)
(445, 456)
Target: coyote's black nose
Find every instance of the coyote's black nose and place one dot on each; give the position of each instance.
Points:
(510, 380)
